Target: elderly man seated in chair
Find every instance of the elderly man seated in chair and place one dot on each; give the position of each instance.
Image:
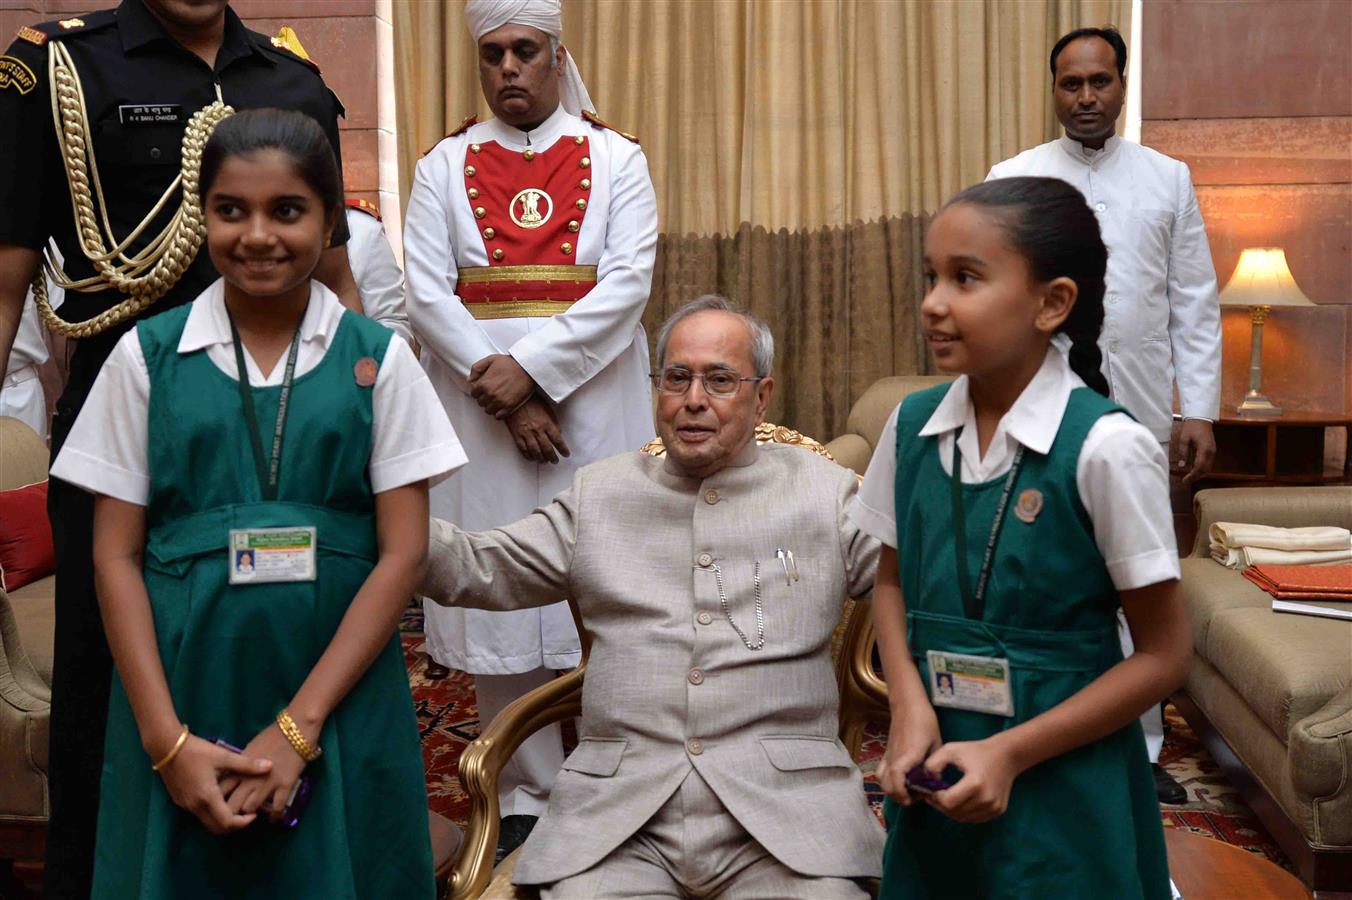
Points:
(709, 582)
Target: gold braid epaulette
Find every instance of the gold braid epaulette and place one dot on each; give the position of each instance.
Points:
(151, 273)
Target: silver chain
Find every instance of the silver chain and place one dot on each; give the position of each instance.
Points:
(760, 610)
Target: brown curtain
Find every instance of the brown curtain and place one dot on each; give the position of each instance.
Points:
(797, 148)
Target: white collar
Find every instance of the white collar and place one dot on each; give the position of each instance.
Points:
(208, 323)
(1080, 152)
(1034, 418)
(540, 138)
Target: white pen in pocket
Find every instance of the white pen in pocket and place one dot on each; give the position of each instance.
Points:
(789, 564)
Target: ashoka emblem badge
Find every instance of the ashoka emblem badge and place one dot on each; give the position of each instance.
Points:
(531, 208)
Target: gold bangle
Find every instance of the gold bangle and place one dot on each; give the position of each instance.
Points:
(306, 750)
(169, 757)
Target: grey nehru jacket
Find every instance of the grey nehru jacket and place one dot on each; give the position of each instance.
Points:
(670, 685)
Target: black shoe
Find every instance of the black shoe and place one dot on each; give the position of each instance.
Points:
(1166, 789)
(512, 833)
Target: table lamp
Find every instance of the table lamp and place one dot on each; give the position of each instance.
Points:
(1261, 281)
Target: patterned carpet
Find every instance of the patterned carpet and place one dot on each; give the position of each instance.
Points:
(449, 720)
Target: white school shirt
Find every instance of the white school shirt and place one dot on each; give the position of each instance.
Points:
(106, 452)
(1121, 474)
(1161, 313)
(380, 281)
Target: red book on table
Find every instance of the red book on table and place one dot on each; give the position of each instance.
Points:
(1303, 582)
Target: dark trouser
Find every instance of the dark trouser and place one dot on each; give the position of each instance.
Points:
(81, 672)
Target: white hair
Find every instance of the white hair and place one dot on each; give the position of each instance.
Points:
(762, 341)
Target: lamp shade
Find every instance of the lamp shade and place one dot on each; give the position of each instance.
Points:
(1262, 278)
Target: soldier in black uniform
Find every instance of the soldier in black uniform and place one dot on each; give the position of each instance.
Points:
(145, 68)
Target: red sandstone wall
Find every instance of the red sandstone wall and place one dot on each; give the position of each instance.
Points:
(1256, 97)
(340, 35)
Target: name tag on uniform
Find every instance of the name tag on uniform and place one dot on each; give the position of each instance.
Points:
(974, 683)
(150, 113)
(266, 555)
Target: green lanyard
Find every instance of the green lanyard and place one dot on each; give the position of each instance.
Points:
(270, 471)
(974, 603)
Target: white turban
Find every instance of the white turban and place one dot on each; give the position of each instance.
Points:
(483, 16)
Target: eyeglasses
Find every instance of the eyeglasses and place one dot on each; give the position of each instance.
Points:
(718, 383)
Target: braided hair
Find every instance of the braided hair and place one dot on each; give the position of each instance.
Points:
(1049, 223)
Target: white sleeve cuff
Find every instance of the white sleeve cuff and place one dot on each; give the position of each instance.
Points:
(1144, 570)
(433, 463)
(100, 477)
(875, 524)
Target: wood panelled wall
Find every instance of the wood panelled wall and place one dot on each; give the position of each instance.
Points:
(1256, 97)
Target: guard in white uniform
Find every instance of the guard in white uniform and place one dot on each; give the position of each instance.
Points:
(529, 250)
(21, 394)
(1161, 312)
(379, 279)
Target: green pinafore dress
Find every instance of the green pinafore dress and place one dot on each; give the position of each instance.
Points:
(1084, 824)
(234, 655)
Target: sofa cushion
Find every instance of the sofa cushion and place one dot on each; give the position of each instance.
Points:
(26, 549)
(23, 455)
(1285, 666)
(851, 451)
(1210, 588)
(34, 608)
(869, 414)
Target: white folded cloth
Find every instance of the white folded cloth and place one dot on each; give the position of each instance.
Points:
(1243, 557)
(1233, 535)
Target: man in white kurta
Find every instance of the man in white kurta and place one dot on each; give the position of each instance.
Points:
(380, 281)
(529, 244)
(21, 394)
(1161, 313)
(1161, 322)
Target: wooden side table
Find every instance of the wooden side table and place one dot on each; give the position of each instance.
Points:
(1206, 869)
(1288, 449)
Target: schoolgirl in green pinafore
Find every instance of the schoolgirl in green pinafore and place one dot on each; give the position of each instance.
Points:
(231, 654)
(995, 605)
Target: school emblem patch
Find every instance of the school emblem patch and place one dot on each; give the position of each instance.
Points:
(14, 73)
(365, 371)
(1029, 505)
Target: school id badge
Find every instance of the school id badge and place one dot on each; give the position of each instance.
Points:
(268, 555)
(974, 683)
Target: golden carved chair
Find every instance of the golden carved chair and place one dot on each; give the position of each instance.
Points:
(863, 699)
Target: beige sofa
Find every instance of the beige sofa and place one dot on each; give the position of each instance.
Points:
(854, 448)
(1270, 694)
(27, 620)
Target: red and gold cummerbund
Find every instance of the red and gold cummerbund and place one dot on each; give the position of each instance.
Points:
(517, 292)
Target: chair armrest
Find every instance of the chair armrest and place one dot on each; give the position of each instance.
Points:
(1320, 759)
(20, 684)
(1283, 507)
(483, 761)
(25, 715)
(863, 695)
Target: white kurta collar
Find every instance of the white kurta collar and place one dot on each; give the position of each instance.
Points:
(542, 137)
(1032, 421)
(1080, 153)
(208, 323)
